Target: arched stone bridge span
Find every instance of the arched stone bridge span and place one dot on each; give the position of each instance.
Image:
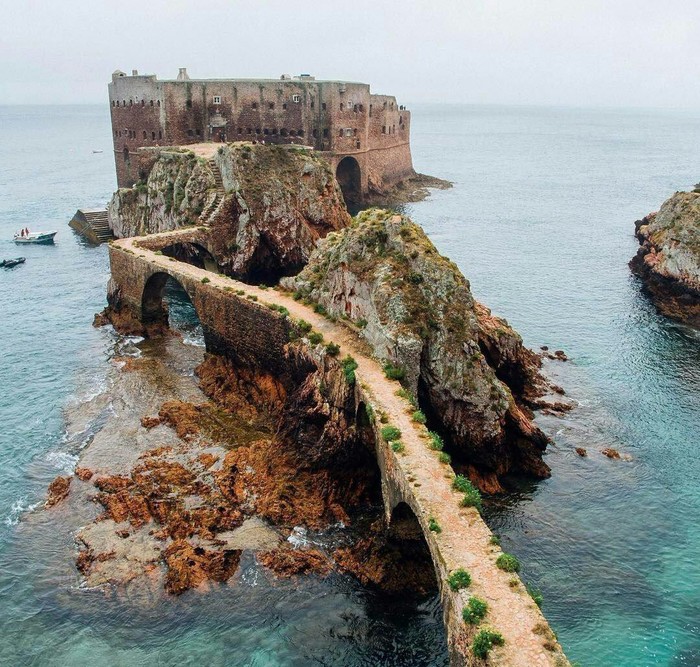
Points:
(253, 334)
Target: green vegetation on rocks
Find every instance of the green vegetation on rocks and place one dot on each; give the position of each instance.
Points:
(508, 563)
(475, 611)
(458, 579)
(484, 641)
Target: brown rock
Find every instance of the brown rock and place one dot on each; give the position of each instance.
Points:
(150, 422)
(83, 474)
(581, 451)
(611, 453)
(291, 562)
(58, 490)
(190, 566)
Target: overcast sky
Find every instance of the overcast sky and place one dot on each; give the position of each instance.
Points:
(562, 52)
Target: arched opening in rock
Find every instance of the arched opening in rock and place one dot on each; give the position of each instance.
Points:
(165, 301)
(194, 254)
(349, 178)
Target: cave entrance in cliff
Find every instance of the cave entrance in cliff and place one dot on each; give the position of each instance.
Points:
(194, 254)
(165, 301)
(408, 552)
(349, 178)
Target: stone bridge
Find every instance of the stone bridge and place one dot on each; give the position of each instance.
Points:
(416, 486)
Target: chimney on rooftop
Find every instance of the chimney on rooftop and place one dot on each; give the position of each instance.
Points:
(134, 72)
(182, 75)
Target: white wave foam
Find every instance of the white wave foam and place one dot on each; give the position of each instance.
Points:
(63, 461)
(18, 508)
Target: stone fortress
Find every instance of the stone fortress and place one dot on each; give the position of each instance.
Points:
(365, 137)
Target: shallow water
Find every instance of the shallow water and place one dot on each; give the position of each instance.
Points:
(540, 220)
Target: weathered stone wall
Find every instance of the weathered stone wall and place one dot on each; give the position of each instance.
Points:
(340, 117)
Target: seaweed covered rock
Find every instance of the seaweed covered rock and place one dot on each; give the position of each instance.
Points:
(668, 260)
(262, 208)
(469, 369)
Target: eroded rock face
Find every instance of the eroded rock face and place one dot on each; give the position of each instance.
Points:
(469, 369)
(668, 260)
(269, 206)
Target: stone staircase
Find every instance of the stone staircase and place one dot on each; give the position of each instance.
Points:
(213, 207)
(93, 224)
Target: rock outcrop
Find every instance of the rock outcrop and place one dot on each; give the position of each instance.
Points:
(263, 207)
(469, 370)
(668, 260)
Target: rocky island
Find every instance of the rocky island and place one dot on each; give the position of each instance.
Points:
(349, 380)
(668, 260)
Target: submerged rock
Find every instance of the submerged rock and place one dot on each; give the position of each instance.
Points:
(58, 490)
(264, 206)
(469, 369)
(668, 260)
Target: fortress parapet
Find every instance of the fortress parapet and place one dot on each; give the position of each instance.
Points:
(366, 137)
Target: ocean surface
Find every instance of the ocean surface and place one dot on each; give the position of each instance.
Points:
(540, 219)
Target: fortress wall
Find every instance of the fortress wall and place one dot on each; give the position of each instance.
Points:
(337, 117)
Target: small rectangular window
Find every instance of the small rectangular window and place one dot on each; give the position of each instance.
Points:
(217, 99)
(296, 98)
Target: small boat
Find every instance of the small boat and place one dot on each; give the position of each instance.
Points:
(35, 237)
(9, 263)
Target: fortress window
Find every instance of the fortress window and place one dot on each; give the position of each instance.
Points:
(249, 130)
(356, 108)
(341, 106)
(354, 132)
(296, 98)
(385, 105)
(312, 104)
(266, 131)
(274, 130)
(255, 105)
(383, 129)
(153, 136)
(292, 133)
(300, 133)
(160, 134)
(112, 102)
(340, 132)
(123, 103)
(199, 133)
(400, 120)
(314, 132)
(116, 133)
(143, 103)
(325, 132)
(131, 103)
(157, 103)
(323, 106)
(257, 130)
(270, 105)
(240, 130)
(283, 131)
(190, 133)
(144, 134)
(370, 111)
(217, 99)
(151, 102)
(362, 108)
(284, 105)
(357, 144)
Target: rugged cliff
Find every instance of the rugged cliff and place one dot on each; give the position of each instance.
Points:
(469, 370)
(668, 260)
(262, 207)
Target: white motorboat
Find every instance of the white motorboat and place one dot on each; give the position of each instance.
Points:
(44, 238)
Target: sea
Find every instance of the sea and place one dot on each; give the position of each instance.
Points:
(540, 219)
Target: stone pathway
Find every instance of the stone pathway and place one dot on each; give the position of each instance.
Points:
(464, 540)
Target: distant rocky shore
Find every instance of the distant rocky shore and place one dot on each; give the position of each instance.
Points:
(668, 260)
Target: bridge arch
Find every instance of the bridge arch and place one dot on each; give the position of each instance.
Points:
(192, 253)
(154, 309)
(349, 177)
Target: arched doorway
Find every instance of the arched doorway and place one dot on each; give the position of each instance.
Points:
(165, 301)
(192, 253)
(349, 178)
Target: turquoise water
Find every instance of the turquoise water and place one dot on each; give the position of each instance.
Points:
(540, 220)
